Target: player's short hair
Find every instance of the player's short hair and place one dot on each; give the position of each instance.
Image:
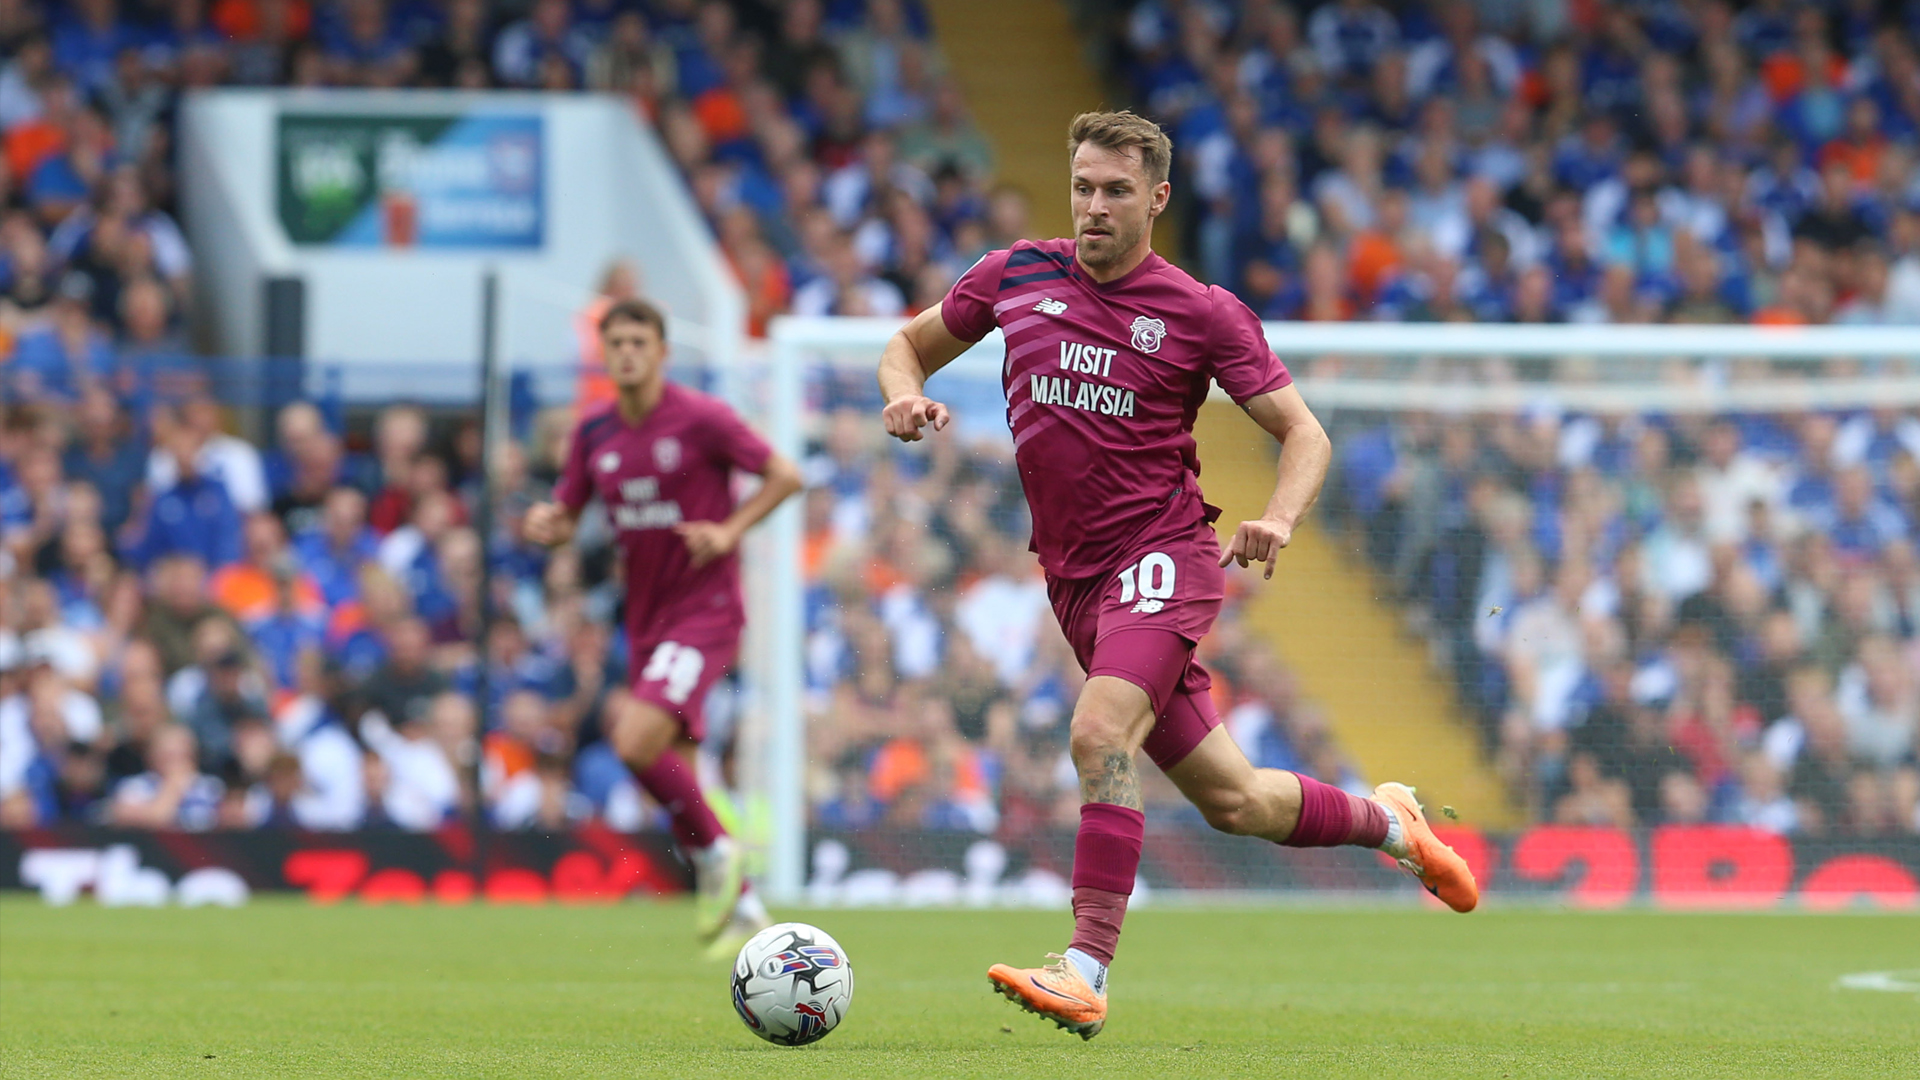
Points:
(1119, 131)
(636, 311)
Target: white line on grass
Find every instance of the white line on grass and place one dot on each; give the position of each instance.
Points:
(1896, 982)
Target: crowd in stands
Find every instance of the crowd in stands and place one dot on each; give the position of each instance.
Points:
(1543, 160)
(1666, 620)
(824, 140)
(1657, 619)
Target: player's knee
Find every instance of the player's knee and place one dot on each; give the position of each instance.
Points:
(639, 731)
(1095, 735)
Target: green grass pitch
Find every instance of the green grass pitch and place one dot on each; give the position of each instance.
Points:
(282, 988)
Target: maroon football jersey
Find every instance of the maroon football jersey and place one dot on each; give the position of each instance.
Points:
(1103, 382)
(677, 465)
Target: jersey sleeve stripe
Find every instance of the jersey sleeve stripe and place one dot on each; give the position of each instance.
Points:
(1051, 274)
(592, 431)
(1030, 256)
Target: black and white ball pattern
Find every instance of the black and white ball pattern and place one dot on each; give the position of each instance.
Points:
(792, 983)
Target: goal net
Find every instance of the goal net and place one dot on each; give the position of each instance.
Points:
(1634, 608)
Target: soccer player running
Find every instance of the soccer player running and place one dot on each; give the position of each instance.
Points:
(1109, 353)
(662, 458)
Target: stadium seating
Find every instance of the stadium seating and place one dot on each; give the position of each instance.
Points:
(1659, 649)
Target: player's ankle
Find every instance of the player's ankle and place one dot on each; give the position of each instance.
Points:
(1396, 842)
(1090, 969)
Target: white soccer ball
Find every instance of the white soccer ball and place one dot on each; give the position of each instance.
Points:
(791, 984)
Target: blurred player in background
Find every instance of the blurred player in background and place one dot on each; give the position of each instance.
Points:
(661, 458)
(1110, 349)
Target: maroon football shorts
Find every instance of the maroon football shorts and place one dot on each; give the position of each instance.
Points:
(673, 668)
(1141, 621)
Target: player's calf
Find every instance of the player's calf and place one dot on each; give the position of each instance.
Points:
(1231, 811)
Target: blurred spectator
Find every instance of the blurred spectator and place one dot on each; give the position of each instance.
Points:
(308, 465)
(421, 788)
(107, 453)
(330, 792)
(404, 687)
(334, 548)
(226, 459)
(547, 35)
(230, 698)
(194, 516)
(173, 793)
(247, 588)
(180, 605)
(399, 440)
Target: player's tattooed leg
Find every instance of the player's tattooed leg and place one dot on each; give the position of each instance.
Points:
(1112, 780)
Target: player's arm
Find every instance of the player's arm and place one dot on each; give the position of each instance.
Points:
(709, 540)
(549, 524)
(916, 351)
(1305, 453)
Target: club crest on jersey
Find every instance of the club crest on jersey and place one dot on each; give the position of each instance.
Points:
(666, 453)
(1050, 306)
(1148, 334)
(610, 461)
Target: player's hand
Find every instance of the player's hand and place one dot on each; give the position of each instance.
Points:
(547, 524)
(1257, 541)
(905, 417)
(707, 540)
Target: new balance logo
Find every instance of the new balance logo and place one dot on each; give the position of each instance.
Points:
(1149, 606)
(1050, 306)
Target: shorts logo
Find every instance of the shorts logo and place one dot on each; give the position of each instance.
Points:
(1050, 306)
(1148, 334)
(1149, 607)
(666, 454)
(609, 461)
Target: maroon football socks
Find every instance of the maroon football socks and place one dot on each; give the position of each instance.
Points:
(671, 782)
(1106, 856)
(1330, 817)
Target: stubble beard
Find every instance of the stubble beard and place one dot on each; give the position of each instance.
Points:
(1100, 253)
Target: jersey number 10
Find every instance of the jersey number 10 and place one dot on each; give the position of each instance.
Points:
(1152, 578)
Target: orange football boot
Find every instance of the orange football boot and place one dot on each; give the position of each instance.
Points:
(1443, 872)
(1056, 992)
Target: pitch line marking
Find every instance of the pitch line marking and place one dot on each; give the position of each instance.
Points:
(1893, 982)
